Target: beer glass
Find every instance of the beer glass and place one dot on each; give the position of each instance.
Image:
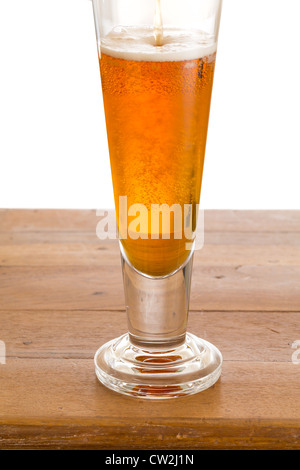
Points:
(157, 60)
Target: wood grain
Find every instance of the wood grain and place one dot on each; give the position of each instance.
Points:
(86, 220)
(254, 336)
(64, 388)
(61, 297)
(227, 288)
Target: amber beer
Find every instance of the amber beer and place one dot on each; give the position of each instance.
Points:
(157, 102)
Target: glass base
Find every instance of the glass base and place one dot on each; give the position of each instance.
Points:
(158, 373)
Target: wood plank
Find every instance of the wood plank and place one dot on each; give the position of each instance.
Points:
(60, 288)
(251, 238)
(255, 288)
(19, 220)
(108, 254)
(246, 288)
(254, 336)
(58, 254)
(66, 391)
(211, 238)
(86, 220)
(62, 389)
(47, 237)
(182, 434)
(249, 221)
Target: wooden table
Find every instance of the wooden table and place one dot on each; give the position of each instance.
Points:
(61, 297)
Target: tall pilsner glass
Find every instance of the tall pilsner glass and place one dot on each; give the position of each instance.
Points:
(157, 60)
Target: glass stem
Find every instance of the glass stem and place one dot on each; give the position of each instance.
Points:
(157, 308)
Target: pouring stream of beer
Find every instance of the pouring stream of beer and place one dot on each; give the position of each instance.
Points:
(158, 25)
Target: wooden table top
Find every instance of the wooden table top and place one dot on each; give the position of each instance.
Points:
(61, 297)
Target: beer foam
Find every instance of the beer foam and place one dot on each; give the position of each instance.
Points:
(132, 43)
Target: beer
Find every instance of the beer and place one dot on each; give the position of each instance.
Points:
(157, 102)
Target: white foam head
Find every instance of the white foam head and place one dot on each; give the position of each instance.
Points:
(139, 44)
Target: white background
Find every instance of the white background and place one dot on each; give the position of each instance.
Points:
(53, 150)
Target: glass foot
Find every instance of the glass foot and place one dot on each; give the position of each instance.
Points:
(158, 373)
